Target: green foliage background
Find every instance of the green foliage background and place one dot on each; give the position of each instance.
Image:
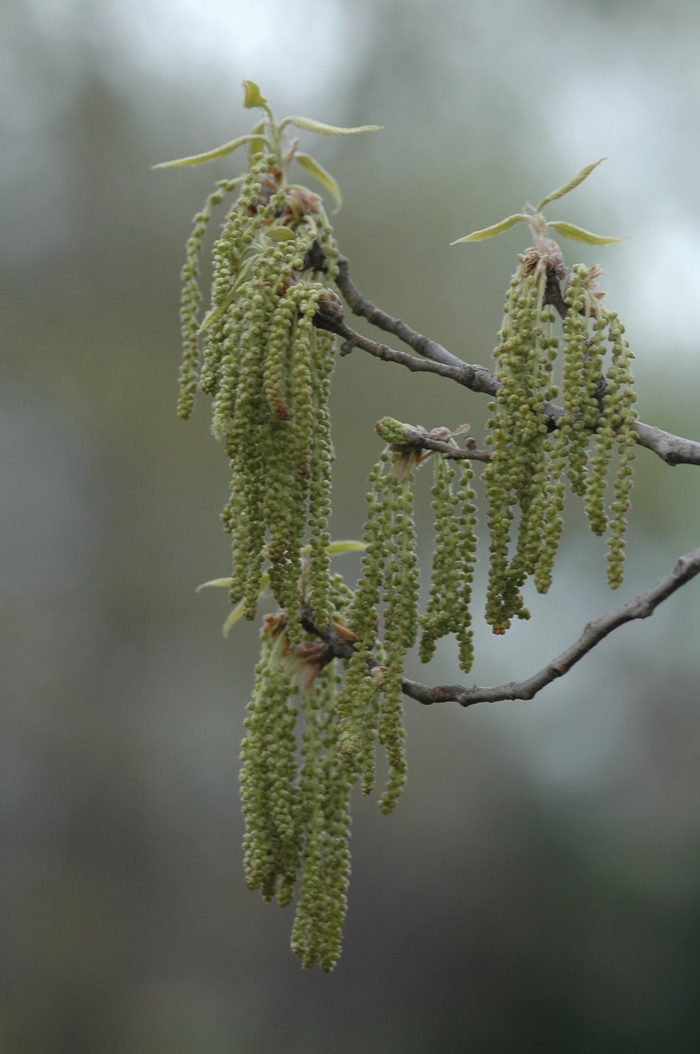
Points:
(537, 887)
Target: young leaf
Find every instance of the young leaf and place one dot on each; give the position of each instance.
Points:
(571, 185)
(219, 309)
(334, 549)
(280, 234)
(489, 232)
(350, 546)
(258, 140)
(327, 129)
(233, 618)
(578, 234)
(319, 172)
(253, 95)
(211, 155)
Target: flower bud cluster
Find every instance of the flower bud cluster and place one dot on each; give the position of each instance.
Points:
(454, 556)
(268, 370)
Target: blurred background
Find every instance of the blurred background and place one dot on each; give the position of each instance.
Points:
(537, 887)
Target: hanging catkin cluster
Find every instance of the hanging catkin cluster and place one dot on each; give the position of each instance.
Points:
(529, 457)
(526, 461)
(265, 364)
(268, 370)
(370, 706)
(295, 793)
(267, 367)
(328, 685)
(532, 449)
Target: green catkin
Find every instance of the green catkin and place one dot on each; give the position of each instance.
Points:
(268, 793)
(360, 685)
(190, 297)
(307, 930)
(575, 377)
(324, 793)
(320, 486)
(454, 554)
(467, 546)
(439, 617)
(620, 413)
(400, 620)
(551, 521)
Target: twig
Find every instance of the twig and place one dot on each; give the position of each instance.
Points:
(641, 606)
(673, 449)
(360, 305)
(477, 378)
(417, 438)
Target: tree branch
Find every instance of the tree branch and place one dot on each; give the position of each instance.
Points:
(673, 449)
(641, 606)
(360, 305)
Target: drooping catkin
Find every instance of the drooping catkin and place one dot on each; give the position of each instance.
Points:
(190, 297)
(619, 413)
(324, 795)
(454, 555)
(268, 774)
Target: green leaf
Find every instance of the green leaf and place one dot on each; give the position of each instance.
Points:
(233, 618)
(214, 313)
(219, 309)
(578, 234)
(211, 155)
(327, 129)
(258, 140)
(334, 549)
(319, 172)
(571, 185)
(489, 232)
(280, 234)
(349, 546)
(253, 95)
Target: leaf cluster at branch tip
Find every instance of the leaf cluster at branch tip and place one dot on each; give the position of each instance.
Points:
(540, 224)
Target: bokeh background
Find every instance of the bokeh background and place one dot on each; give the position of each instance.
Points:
(537, 888)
